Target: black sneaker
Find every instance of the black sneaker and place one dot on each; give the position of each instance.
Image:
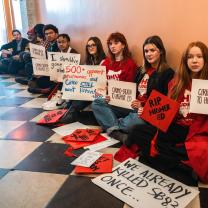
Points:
(118, 135)
(69, 117)
(21, 80)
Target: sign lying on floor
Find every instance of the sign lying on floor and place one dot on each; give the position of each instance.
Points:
(121, 93)
(103, 164)
(37, 51)
(40, 67)
(159, 110)
(56, 60)
(87, 158)
(141, 186)
(84, 82)
(199, 96)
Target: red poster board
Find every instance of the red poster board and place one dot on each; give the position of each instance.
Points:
(77, 145)
(159, 110)
(52, 117)
(82, 135)
(103, 165)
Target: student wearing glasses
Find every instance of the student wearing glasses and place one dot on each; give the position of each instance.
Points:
(94, 56)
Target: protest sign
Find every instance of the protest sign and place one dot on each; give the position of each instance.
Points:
(141, 186)
(82, 135)
(87, 158)
(56, 60)
(52, 117)
(104, 164)
(76, 145)
(40, 67)
(84, 82)
(121, 93)
(37, 51)
(199, 96)
(159, 110)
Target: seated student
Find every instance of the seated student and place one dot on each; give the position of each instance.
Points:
(43, 84)
(56, 101)
(174, 146)
(115, 119)
(119, 66)
(35, 36)
(94, 56)
(10, 53)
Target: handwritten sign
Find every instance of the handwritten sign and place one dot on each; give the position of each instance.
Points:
(37, 51)
(141, 186)
(82, 135)
(52, 117)
(40, 67)
(87, 158)
(159, 110)
(104, 164)
(77, 145)
(121, 93)
(199, 96)
(56, 61)
(84, 82)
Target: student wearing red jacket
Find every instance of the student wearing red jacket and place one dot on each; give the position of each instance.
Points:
(116, 120)
(187, 137)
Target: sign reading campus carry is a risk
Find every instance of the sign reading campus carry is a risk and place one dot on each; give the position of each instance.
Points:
(84, 82)
(40, 67)
(141, 186)
(56, 60)
(199, 96)
(37, 51)
(121, 93)
(159, 110)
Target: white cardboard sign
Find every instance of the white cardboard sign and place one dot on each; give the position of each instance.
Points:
(40, 67)
(56, 60)
(199, 96)
(121, 93)
(84, 82)
(37, 51)
(87, 158)
(141, 186)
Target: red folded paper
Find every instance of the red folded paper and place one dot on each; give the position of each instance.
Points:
(52, 117)
(124, 153)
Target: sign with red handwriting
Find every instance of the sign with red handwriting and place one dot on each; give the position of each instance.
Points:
(52, 117)
(56, 61)
(104, 164)
(82, 135)
(83, 82)
(159, 110)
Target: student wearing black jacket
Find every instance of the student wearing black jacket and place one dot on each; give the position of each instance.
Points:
(10, 53)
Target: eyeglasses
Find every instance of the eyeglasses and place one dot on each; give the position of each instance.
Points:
(91, 46)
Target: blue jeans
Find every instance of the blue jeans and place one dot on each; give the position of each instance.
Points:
(114, 118)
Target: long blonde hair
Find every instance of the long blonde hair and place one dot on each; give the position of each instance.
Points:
(184, 76)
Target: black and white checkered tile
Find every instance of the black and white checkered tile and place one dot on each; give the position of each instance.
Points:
(34, 172)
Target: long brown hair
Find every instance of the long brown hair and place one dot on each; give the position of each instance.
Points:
(120, 38)
(157, 41)
(184, 76)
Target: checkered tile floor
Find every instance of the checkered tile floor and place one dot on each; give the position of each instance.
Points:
(34, 172)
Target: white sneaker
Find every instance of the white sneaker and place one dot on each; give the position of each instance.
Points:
(56, 102)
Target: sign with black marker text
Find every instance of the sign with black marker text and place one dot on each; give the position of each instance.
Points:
(141, 186)
(37, 51)
(199, 96)
(121, 93)
(40, 67)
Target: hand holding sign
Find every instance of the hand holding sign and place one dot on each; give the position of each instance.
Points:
(121, 93)
(159, 110)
